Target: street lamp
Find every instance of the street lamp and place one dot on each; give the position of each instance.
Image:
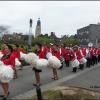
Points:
(96, 41)
(30, 35)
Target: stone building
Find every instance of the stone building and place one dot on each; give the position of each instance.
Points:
(90, 33)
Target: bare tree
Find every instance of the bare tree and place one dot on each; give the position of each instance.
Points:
(4, 29)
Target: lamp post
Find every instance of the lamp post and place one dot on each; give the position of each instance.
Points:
(96, 41)
(30, 35)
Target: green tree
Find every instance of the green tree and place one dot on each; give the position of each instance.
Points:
(42, 40)
(72, 41)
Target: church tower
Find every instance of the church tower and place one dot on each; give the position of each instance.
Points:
(38, 28)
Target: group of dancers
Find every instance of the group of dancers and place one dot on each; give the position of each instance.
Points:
(52, 55)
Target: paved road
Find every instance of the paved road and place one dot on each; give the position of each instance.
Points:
(89, 80)
(26, 76)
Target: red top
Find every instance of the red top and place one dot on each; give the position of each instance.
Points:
(98, 52)
(16, 54)
(73, 56)
(67, 54)
(45, 50)
(4, 51)
(93, 52)
(63, 51)
(79, 54)
(52, 50)
(41, 53)
(84, 51)
(9, 61)
(57, 53)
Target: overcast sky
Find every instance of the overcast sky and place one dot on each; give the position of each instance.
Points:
(61, 17)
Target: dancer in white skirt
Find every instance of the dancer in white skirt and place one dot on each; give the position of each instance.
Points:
(80, 57)
(74, 62)
(7, 70)
(54, 60)
(39, 63)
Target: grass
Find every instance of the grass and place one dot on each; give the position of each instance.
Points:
(79, 94)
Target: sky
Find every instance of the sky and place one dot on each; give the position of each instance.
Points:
(61, 17)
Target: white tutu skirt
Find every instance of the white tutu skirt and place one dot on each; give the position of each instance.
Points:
(54, 62)
(23, 56)
(1, 63)
(6, 73)
(31, 58)
(82, 61)
(75, 63)
(41, 63)
(1, 54)
(48, 55)
(17, 62)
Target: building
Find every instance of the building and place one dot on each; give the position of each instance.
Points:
(38, 28)
(90, 33)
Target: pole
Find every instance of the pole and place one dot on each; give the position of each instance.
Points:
(96, 41)
(30, 36)
(38, 91)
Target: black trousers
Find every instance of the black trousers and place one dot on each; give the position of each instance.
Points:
(88, 63)
(99, 58)
(74, 69)
(67, 63)
(81, 66)
(94, 60)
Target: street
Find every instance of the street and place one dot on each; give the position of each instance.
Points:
(88, 78)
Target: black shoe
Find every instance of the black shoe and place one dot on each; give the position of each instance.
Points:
(4, 98)
(61, 67)
(81, 67)
(74, 69)
(2, 95)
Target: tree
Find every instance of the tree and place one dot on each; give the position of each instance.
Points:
(72, 41)
(42, 40)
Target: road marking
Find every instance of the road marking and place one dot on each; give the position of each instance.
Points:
(50, 85)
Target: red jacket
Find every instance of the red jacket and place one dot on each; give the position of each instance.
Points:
(73, 57)
(62, 51)
(52, 50)
(41, 53)
(79, 54)
(84, 51)
(56, 53)
(98, 52)
(16, 54)
(45, 50)
(93, 51)
(10, 61)
(67, 54)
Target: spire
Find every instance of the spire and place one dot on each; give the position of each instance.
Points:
(38, 28)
